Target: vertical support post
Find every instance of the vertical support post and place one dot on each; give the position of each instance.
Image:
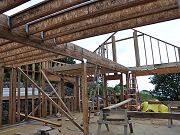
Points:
(50, 108)
(136, 48)
(10, 97)
(179, 53)
(127, 84)
(43, 65)
(26, 95)
(105, 97)
(33, 88)
(14, 96)
(62, 88)
(76, 94)
(1, 92)
(114, 49)
(121, 87)
(84, 98)
(39, 92)
(59, 93)
(19, 97)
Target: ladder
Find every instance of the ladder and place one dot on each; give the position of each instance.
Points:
(132, 92)
(94, 93)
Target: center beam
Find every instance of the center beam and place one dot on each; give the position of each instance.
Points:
(68, 49)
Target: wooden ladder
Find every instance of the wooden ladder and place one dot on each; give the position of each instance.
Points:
(133, 92)
(94, 107)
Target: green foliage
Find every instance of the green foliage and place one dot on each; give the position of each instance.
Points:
(68, 60)
(167, 86)
(145, 95)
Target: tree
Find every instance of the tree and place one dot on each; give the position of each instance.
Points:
(167, 86)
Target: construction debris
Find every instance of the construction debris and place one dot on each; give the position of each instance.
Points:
(45, 130)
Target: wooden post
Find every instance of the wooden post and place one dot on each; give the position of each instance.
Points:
(14, 96)
(114, 49)
(59, 93)
(19, 97)
(50, 108)
(1, 93)
(136, 48)
(39, 92)
(26, 95)
(76, 94)
(33, 88)
(10, 97)
(84, 99)
(105, 97)
(121, 87)
(179, 53)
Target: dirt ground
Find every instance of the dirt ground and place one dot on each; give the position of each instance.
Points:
(140, 126)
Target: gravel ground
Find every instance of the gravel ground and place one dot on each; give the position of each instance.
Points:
(140, 126)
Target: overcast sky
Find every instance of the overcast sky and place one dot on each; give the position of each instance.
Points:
(168, 31)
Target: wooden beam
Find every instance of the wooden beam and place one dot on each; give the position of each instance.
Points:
(40, 10)
(136, 48)
(82, 13)
(67, 115)
(18, 51)
(42, 120)
(6, 5)
(166, 70)
(1, 93)
(118, 105)
(32, 54)
(4, 41)
(84, 99)
(112, 17)
(113, 77)
(43, 57)
(155, 115)
(122, 25)
(68, 49)
(10, 46)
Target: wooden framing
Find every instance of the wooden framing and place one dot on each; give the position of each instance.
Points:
(1, 92)
(67, 115)
(84, 99)
(42, 33)
(6, 5)
(40, 10)
(114, 49)
(136, 48)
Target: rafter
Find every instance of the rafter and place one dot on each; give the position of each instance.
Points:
(126, 24)
(18, 51)
(40, 10)
(82, 13)
(10, 46)
(38, 57)
(6, 5)
(118, 16)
